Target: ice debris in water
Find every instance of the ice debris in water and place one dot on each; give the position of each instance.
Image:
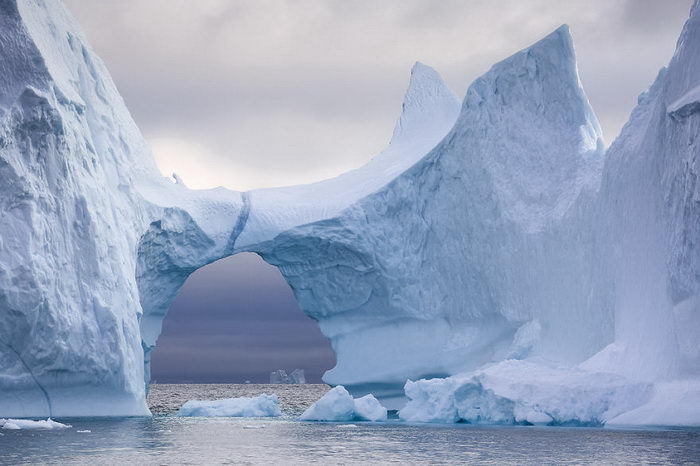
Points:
(17, 424)
(259, 406)
(338, 405)
(524, 392)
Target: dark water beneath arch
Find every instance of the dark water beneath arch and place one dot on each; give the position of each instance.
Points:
(164, 439)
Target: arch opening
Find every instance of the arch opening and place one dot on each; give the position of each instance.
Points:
(236, 320)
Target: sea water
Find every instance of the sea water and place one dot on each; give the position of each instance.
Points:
(164, 439)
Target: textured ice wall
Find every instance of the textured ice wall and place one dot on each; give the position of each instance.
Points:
(71, 159)
(650, 221)
(467, 256)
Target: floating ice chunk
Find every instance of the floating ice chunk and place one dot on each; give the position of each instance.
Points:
(368, 408)
(17, 424)
(338, 405)
(260, 406)
(524, 392)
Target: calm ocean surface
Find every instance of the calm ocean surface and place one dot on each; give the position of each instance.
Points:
(164, 439)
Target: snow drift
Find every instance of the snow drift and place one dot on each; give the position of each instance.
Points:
(258, 406)
(492, 231)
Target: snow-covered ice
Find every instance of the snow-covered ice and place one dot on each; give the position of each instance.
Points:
(28, 424)
(495, 230)
(259, 406)
(338, 405)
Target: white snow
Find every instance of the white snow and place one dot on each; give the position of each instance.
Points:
(338, 405)
(259, 406)
(27, 424)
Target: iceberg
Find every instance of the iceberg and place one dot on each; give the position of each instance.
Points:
(280, 376)
(259, 406)
(338, 405)
(492, 239)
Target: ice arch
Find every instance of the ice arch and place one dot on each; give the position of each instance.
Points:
(329, 275)
(453, 247)
(442, 251)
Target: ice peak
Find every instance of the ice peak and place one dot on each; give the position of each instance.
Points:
(541, 77)
(682, 79)
(428, 102)
(532, 106)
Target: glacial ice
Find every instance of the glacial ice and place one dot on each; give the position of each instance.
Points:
(490, 241)
(259, 406)
(338, 405)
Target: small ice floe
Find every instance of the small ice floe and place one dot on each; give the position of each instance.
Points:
(259, 406)
(347, 426)
(338, 405)
(251, 426)
(84, 431)
(17, 424)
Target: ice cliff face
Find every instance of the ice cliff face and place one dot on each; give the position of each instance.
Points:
(485, 232)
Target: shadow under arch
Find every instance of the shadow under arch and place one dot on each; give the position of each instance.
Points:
(236, 319)
(169, 252)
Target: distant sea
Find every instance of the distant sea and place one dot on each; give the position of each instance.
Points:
(293, 399)
(164, 439)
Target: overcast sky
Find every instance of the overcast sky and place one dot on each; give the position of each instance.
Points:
(258, 93)
(261, 93)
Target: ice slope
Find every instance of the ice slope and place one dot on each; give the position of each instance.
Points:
(485, 232)
(429, 111)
